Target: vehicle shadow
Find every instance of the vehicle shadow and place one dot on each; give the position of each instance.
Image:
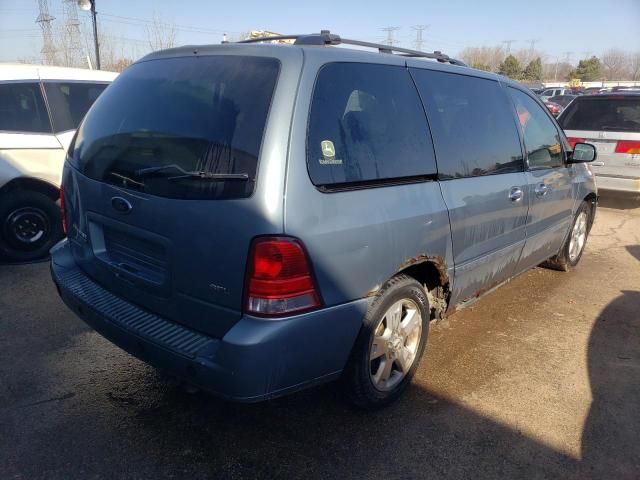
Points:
(114, 417)
(610, 437)
(316, 434)
(619, 201)
(634, 250)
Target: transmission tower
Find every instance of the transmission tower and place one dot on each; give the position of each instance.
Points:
(73, 38)
(508, 44)
(419, 41)
(390, 40)
(44, 19)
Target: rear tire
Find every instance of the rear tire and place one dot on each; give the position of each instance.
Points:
(30, 224)
(390, 344)
(573, 247)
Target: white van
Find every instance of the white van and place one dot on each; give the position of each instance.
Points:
(40, 109)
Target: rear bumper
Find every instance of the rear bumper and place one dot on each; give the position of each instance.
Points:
(621, 184)
(256, 360)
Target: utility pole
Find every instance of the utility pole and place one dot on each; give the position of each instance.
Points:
(390, 40)
(73, 50)
(508, 44)
(44, 19)
(567, 56)
(419, 41)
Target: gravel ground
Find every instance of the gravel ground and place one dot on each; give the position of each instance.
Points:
(540, 379)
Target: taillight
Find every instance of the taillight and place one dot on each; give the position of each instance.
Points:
(279, 278)
(63, 211)
(628, 146)
(574, 140)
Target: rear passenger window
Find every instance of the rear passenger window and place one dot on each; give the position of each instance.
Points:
(70, 101)
(22, 108)
(472, 124)
(366, 124)
(541, 138)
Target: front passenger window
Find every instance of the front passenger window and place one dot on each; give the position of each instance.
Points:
(541, 138)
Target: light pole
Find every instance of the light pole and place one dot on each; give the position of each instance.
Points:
(87, 5)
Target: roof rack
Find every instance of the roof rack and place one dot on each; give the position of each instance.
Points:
(325, 37)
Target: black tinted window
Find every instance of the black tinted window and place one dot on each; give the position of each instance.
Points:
(70, 101)
(599, 114)
(366, 123)
(185, 115)
(472, 123)
(22, 108)
(541, 138)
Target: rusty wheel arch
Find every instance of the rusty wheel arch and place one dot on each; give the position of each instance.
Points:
(430, 271)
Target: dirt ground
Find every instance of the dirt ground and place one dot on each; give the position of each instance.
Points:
(540, 379)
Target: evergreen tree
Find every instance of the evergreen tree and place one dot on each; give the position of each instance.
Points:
(510, 67)
(587, 70)
(533, 71)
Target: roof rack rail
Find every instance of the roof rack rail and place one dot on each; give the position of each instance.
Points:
(325, 37)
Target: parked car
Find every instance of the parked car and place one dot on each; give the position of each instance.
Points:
(562, 100)
(611, 122)
(40, 108)
(554, 92)
(591, 91)
(256, 219)
(554, 108)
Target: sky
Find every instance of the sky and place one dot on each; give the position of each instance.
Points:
(582, 27)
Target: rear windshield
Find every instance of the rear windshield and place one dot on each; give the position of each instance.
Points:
(600, 114)
(188, 127)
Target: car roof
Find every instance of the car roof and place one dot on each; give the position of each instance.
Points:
(326, 53)
(23, 71)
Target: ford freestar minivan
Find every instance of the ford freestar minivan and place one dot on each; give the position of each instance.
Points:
(40, 109)
(258, 218)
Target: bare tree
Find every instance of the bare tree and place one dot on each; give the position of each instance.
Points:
(489, 57)
(614, 62)
(525, 55)
(634, 65)
(556, 70)
(161, 34)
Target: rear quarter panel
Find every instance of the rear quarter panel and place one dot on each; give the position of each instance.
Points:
(32, 156)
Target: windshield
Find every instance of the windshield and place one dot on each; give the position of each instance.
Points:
(202, 115)
(603, 114)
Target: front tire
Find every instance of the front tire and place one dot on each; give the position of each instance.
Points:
(30, 224)
(390, 344)
(573, 247)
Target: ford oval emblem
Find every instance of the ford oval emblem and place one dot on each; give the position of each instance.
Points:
(121, 205)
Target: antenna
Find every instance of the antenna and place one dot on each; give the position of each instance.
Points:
(73, 50)
(390, 40)
(419, 42)
(44, 19)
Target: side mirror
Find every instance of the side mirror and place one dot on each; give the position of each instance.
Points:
(583, 153)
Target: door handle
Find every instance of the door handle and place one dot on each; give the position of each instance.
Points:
(541, 190)
(515, 194)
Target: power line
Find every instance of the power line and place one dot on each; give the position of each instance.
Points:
(419, 41)
(390, 40)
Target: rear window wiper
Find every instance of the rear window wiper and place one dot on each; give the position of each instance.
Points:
(146, 172)
(210, 176)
